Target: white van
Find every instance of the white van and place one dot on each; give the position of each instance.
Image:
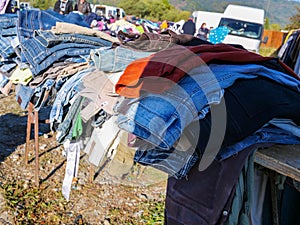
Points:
(106, 10)
(245, 25)
(212, 19)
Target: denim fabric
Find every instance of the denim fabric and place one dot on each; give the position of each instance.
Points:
(297, 66)
(160, 119)
(286, 125)
(178, 163)
(3, 80)
(79, 59)
(23, 95)
(247, 111)
(258, 70)
(40, 57)
(7, 66)
(64, 130)
(8, 23)
(174, 162)
(115, 59)
(71, 87)
(266, 136)
(59, 83)
(41, 91)
(31, 20)
(8, 31)
(48, 39)
(6, 49)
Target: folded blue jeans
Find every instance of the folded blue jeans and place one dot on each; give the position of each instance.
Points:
(246, 118)
(115, 59)
(161, 118)
(49, 39)
(35, 19)
(40, 57)
(8, 32)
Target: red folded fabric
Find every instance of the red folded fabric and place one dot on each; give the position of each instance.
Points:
(161, 70)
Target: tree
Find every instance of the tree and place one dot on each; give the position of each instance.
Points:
(275, 26)
(267, 23)
(153, 10)
(42, 4)
(295, 20)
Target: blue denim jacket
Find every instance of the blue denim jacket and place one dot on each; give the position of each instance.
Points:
(161, 118)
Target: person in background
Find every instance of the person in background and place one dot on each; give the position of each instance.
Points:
(118, 14)
(63, 6)
(111, 18)
(203, 32)
(84, 7)
(15, 7)
(189, 27)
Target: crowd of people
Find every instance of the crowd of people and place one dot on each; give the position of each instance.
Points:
(100, 22)
(66, 6)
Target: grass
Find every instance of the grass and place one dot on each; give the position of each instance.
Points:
(29, 204)
(268, 51)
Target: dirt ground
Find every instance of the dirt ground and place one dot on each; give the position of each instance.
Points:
(130, 199)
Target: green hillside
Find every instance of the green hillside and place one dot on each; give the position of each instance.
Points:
(278, 11)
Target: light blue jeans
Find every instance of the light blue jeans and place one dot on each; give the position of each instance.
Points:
(49, 39)
(115, 59)
(8, 32)
(40, 57)
(35, 19)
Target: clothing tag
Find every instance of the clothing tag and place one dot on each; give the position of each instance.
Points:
(15, 42)
(73, 155)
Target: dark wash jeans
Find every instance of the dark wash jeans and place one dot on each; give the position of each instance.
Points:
(201, 198)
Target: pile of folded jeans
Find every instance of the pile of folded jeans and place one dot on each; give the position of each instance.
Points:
(30, 48)
(184, 104)
(198, 111)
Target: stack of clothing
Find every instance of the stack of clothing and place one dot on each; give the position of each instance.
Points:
(198, 112)
(192, 109)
